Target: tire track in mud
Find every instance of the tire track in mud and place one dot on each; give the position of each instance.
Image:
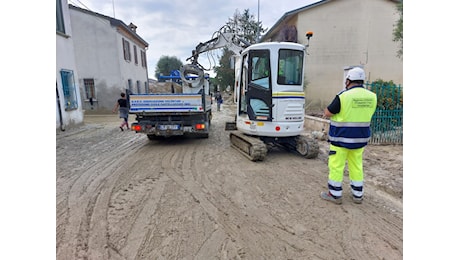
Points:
(361, 227)
(184, 166)
(360, 224)
(146, 238)
(251, 226)
(290, 232)
(242, 228)
(200, 199)
(142, 225)
(134, 203)
(86, 228)
(180, 172)
(257, 221)
(180, 165)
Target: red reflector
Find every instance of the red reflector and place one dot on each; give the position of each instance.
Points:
(200, 126)
(277, 128)
(136, 128)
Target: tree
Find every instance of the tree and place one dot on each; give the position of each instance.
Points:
(166, 64)
(247, 28)
(213, 84)
(398, 30)
(225, 74)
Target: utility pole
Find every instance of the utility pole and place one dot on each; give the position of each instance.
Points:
(258, 21)
(113, 7)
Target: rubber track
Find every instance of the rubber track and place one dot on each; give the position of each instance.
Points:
(253, 148)
(312, 144)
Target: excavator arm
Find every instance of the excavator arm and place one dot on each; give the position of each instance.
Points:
(222, 40)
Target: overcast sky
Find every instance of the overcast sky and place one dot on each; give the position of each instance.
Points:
(175, 27)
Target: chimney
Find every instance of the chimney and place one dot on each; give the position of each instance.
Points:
(133, 27)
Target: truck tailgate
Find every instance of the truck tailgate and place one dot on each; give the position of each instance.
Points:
(165, 103)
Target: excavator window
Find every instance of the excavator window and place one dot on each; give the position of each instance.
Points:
(290, 67)
(260, 72)
(259, 94)
(244, 85)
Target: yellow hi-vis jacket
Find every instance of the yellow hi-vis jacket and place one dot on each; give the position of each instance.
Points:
(350, 128)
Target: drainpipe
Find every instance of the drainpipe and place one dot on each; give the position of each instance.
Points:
(59, 107)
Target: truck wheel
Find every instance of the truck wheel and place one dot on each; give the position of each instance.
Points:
(154, 137)
(204, 135)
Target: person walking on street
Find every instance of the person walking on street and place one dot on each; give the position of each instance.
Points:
(350, 115)
(122, 106)
(219, 100)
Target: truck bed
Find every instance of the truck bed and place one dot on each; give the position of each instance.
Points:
(164, 115)
(168, 103)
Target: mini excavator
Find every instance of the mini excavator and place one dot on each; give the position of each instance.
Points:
(268, 92)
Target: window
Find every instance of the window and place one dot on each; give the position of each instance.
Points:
(260, 72)
(143, 59)
(146, 85)
(138, 86)
(244, 86)
(135, 54)
(59, 17)
(89, 89)
(130, 86)
(68, 86)
(126, 50)
(290, 67)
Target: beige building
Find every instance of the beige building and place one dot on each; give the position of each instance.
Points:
(346, 33)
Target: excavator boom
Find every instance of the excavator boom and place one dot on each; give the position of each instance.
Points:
(223, 40)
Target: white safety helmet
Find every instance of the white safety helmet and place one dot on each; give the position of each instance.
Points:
(356, 73)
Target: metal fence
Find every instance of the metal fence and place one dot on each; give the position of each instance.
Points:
(387, 122)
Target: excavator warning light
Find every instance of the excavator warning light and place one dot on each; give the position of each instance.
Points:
(309, 34)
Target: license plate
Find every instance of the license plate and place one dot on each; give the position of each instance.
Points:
(169, 127)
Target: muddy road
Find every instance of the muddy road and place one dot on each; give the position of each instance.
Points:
(121, 196)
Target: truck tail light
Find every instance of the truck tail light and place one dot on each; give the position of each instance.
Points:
(200, 126)
(136, 128)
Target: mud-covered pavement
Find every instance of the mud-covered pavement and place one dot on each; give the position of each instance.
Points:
(121, 196)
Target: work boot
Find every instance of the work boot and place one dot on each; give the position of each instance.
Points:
(329, 197)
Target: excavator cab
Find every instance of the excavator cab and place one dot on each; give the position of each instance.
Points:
(270, 94)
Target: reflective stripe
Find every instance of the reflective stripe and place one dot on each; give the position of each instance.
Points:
(335, 188)
(357, 183)
(349, 137)
(289, 94)
(336, 193)
(350, 128)
(350, 124)
(336, 184)
(357, 194)
(349, 140)
(357, 188)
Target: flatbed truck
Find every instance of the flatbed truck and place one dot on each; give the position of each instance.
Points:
(174, 114)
